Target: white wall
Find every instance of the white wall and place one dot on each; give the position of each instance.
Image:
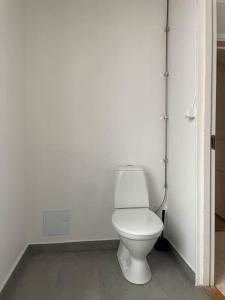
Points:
(182, 133)
(221, 19)
(94, 101)
(13, 219)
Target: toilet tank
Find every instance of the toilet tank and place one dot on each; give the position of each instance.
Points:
(131, 188)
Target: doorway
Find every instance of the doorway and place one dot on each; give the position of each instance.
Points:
(219, 145)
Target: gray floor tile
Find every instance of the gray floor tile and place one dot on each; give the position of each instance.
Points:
(78, 278)
(96, 275)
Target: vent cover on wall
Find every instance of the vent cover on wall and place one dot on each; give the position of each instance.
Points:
(56, 222)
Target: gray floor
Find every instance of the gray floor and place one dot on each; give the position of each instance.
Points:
(95, 275)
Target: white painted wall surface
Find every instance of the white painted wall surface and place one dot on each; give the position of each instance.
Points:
(94, 101)
(13, 219)
(181, 225)
(221, 20)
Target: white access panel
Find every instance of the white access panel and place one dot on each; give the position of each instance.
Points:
(56, 222)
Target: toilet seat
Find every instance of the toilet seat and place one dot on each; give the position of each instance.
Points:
(137, 223)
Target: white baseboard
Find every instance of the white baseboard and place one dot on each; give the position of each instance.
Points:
(181, 255)
(72, 241)
(2, 285)
(221, 37)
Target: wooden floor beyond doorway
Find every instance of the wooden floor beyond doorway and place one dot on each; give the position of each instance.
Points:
(214, 293)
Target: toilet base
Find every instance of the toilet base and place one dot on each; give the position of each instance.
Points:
(135, 270)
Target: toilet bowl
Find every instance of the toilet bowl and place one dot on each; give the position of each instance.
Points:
(137, 226)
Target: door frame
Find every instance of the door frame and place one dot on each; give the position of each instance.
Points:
(205, 93)
(206, 99)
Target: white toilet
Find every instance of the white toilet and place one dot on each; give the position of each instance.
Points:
(137, 226)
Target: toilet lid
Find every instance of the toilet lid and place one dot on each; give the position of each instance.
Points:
(137, 221)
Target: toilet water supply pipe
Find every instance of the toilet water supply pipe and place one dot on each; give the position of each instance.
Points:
(166, 117)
